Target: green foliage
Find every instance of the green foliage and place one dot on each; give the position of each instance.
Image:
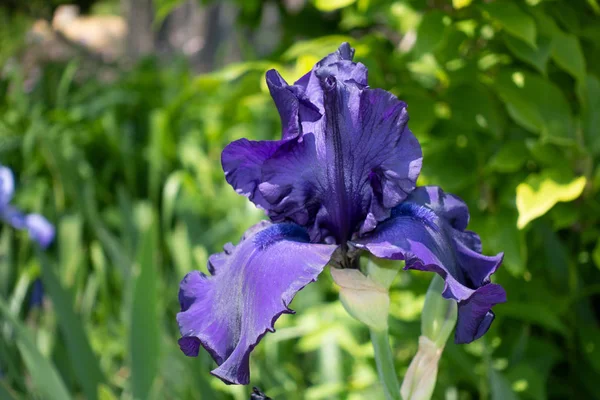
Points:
(504, 97)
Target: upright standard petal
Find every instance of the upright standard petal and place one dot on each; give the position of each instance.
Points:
(300, 107)
(360, 161)
(428, 232)
(251, 285)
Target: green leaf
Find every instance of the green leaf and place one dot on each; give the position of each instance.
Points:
(43, 374)
(535, 313)
(332, 5)
(590, 116)
(528, 380)
(421, 108)
(5, 392)
(430, 33)
(321, 45)
(514, 20)
(536, 57)
(500, 387)
(567, 53)
(589, 336)
(536, 104)
(474, 106)
(510, 158)
(70, 246)
(596, 254)
(144, 332)
(162, 9)
(502, 235)
(85, 363)
(539, 193)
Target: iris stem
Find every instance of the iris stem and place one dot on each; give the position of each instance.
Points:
(385, 364)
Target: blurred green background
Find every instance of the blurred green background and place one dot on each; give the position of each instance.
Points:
(116, 138)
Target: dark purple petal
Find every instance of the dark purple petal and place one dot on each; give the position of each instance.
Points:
(360, 161)
(7, 186)
(475, 315)
(427, 231)
(252, 285)
(346, 158)
(339, 64)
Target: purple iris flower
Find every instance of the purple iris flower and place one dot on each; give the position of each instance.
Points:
(40, 230)
(340, 183)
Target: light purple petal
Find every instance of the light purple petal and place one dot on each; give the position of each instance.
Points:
(39, 229)
(422, 231)
(242, 162)
(7, 186)
(251, 285)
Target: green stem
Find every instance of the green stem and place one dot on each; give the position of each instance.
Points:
(385, 364)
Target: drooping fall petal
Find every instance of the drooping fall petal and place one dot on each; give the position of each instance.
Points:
(427, 231)
(251, 285)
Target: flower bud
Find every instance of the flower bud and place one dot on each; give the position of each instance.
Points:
(420, 378)
(437, 322)
(366, 297)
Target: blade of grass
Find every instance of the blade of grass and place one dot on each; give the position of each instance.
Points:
(43, 374)
(144, 334)
(85, 363)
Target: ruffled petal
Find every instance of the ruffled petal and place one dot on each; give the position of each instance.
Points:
(360, 161)
(242, 162)
(251, 285)
(427, 231)
(346, 158)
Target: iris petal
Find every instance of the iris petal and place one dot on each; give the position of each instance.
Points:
(251, 285)
(427, 231)
(300, 106)
(360, 161)
(346, 158)
(40, 230)
(7, 186)
(38, 227)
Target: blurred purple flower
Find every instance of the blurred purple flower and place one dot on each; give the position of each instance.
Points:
(40, 230)
(341, 181)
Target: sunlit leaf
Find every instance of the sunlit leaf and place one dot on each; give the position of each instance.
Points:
(539, 193)
(332, 5)
(458, 4)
